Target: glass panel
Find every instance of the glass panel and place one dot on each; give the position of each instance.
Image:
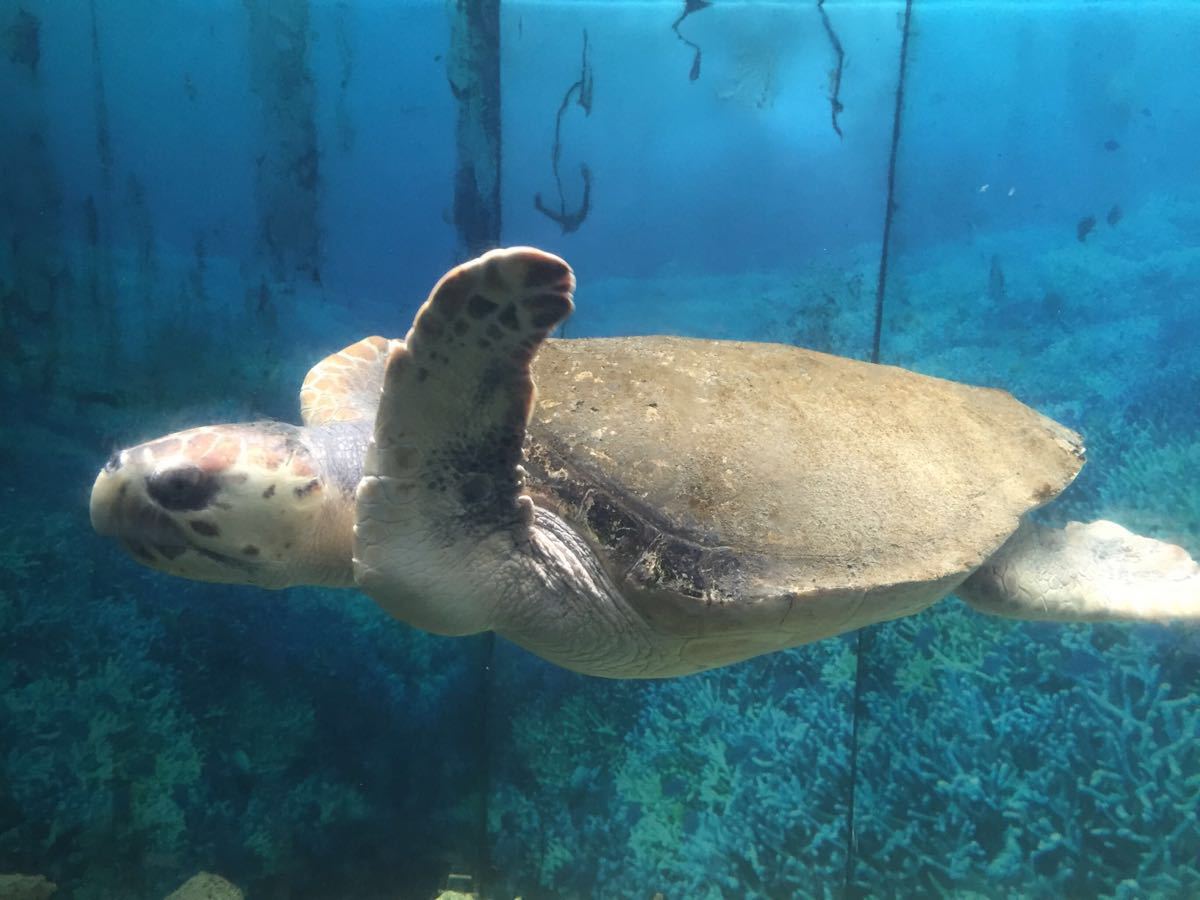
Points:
(199, 201)
(727, 206)
(1045, 231)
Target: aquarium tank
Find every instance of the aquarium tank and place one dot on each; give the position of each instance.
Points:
(199, 201)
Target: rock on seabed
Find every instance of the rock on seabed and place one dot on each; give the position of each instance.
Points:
(206, 886)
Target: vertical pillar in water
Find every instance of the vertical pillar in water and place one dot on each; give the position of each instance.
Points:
(473, 68)
(34, 277)
(287, 164)
(101, 273)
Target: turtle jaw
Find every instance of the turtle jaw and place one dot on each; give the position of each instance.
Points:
(102, 507)
(112, 509)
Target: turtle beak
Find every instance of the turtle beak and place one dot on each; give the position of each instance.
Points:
(119, 509)
(107, 492)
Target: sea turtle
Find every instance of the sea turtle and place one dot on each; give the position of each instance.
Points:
(665, 506)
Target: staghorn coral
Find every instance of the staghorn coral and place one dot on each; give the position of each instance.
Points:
(697, 787)
(727, 781)
(1062, 766)
(1151, 488)
(97, 756)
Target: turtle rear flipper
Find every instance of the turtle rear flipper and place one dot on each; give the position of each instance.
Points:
(1094, 572)
(440, 504)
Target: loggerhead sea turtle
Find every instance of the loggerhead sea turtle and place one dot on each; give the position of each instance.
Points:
(665, 506)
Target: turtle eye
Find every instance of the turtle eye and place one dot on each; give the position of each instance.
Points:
(181, 488)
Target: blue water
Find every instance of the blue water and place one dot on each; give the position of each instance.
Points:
(200, 200)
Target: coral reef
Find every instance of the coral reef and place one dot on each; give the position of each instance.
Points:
(1041, 768)
(699, 787)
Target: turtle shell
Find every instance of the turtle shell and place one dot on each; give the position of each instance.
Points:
(778, 492)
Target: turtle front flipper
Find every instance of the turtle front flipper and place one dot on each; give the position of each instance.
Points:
(344, 386)
(440, 499)
(1094, 572)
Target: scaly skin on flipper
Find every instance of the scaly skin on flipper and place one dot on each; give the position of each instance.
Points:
(441, 484)
(1085, 573)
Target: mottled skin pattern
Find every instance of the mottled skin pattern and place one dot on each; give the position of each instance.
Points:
(344, 387)
(688, 504)
(262, 503)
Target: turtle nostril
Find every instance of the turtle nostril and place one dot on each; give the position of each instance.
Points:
(181, 488)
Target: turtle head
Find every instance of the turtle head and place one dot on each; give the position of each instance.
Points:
(242, 504)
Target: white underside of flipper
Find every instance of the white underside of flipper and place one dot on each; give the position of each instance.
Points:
(1093, 572)
(441, 521)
